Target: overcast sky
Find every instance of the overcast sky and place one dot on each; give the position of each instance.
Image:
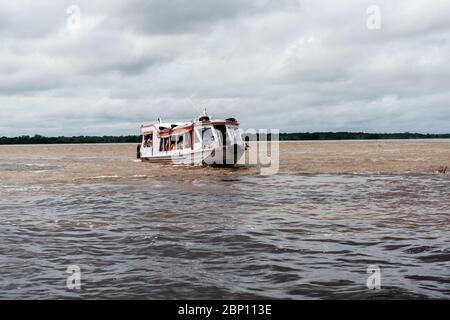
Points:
(296, 65)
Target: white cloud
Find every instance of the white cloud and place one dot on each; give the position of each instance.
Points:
(293, 65)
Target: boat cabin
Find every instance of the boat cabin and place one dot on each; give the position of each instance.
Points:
(164, 139)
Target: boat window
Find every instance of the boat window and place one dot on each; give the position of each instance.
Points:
(207, 137)
(173, 143)
(179, 142)
(148, 141)
(234, 135)
(165, 144)
(221, 133)
(198, 136)
(187, 140)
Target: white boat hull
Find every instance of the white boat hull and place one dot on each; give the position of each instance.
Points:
(222, 156)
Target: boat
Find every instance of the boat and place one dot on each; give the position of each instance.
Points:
(203, 141)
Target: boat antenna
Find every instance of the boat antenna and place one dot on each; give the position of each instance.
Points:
(194, 106)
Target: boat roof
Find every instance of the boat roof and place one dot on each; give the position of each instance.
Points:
(171, 126)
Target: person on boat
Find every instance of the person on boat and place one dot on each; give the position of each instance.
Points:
(148, 141)
(180, 143)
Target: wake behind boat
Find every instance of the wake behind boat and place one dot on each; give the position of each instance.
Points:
(199, 142)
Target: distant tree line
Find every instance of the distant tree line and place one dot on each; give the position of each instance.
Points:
(38, 139)
(358, 136)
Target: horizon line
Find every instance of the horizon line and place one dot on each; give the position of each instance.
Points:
(281, 133)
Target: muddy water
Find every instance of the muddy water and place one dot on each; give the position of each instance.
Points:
(149, 231)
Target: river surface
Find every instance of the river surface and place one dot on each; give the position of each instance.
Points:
(148, 231)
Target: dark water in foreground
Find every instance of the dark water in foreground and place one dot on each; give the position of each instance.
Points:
(169, 233)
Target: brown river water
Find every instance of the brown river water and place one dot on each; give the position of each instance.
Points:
(149, 231)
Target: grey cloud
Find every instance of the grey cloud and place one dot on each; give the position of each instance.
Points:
(292, 65)
(188, 16)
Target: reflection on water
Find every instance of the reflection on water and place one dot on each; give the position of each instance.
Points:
(153, 232)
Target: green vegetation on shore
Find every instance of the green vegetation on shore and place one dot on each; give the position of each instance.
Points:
(37, 139)
(359, 136)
